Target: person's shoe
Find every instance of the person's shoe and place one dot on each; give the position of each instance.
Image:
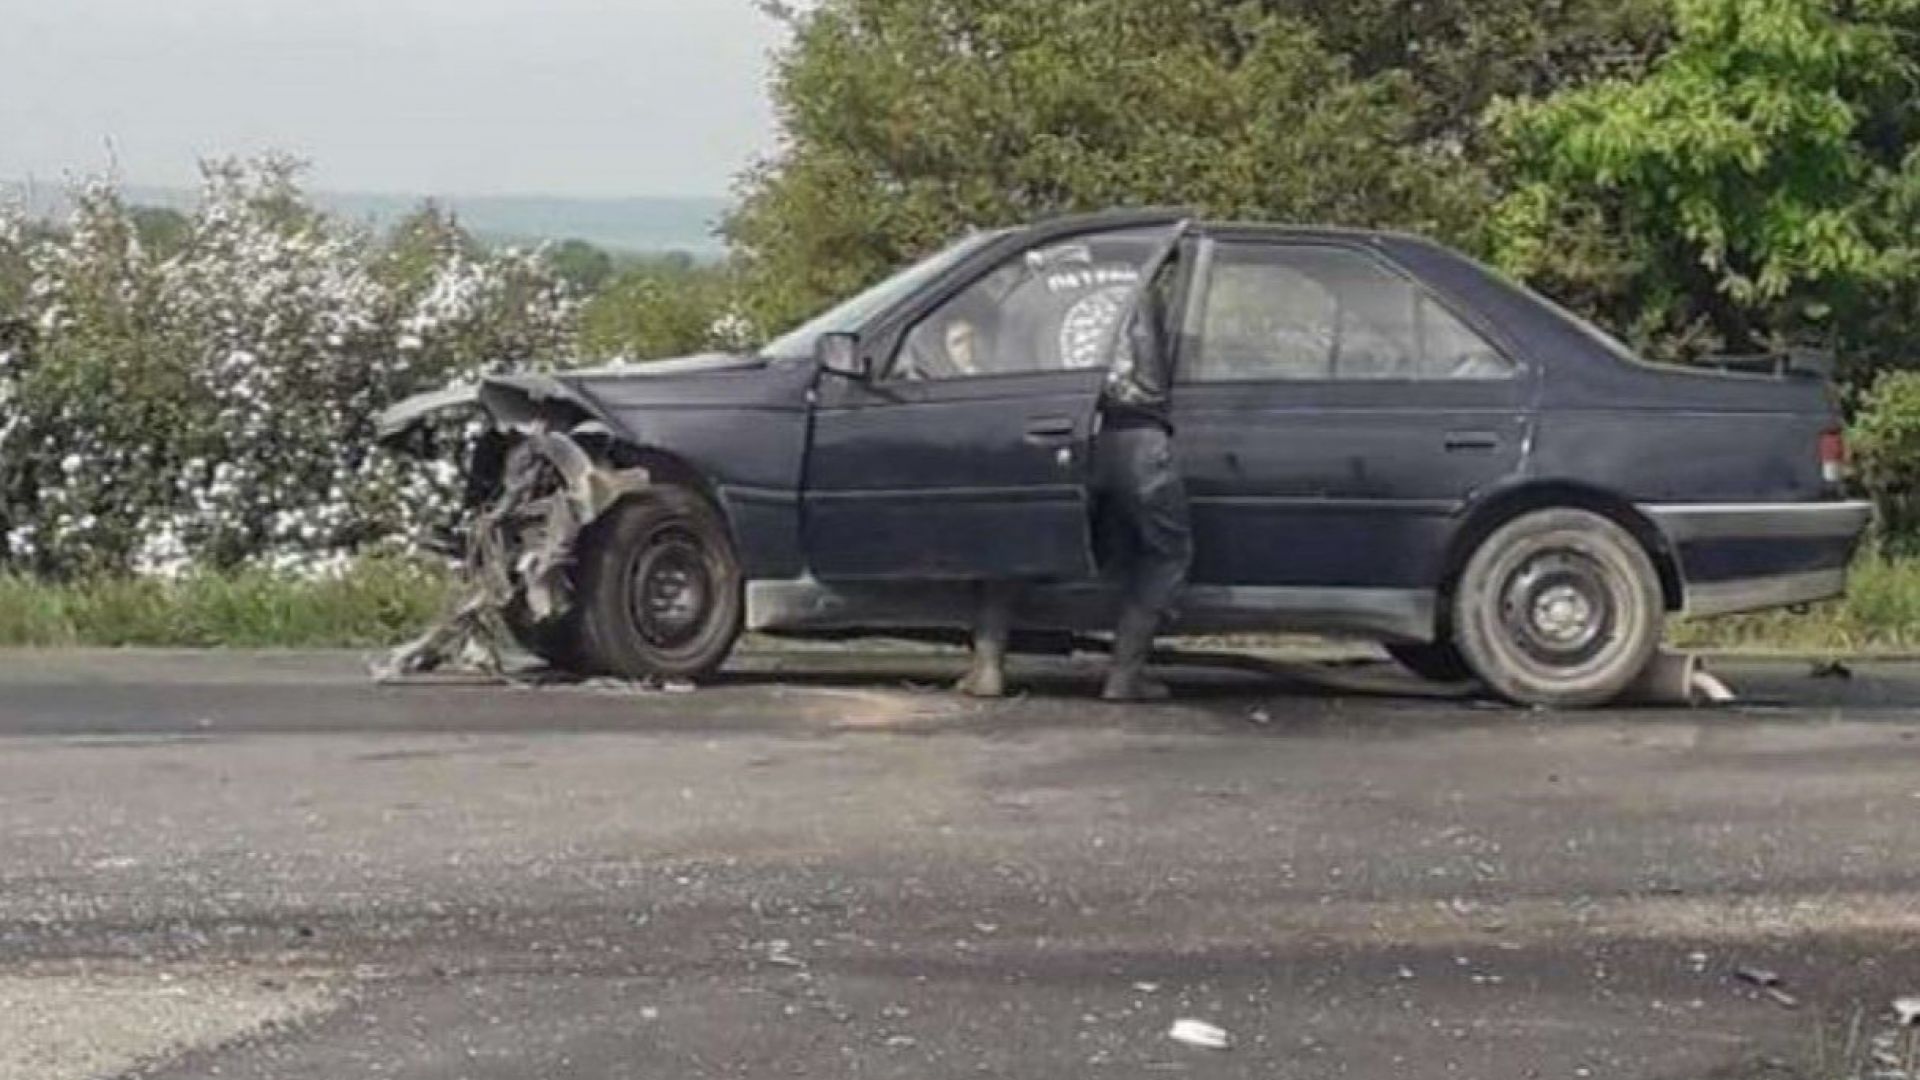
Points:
(983, 682)
(1133, 686)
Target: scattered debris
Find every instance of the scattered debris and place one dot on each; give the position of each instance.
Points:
(1757, 976)
(1260, 716)
(777, 953)
(1831, 669)
(1770, 984)
(1907, 1010)
(1146, 987)
(1201, 1034)
(606, 685)
(1712, 688)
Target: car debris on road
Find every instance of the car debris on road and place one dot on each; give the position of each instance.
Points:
(1770, 984)
(1201, 1034)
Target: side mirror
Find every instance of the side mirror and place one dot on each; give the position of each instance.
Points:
(840, 354)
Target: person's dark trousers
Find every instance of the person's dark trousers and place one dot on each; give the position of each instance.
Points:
(1145, 538)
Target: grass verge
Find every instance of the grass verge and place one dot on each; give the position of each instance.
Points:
(374, 602)
(1880, 614)
(384, 601)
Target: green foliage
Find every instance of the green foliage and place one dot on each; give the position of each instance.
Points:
(375, 602)
(1886, 446)
(908, 121)
(581, 265)
(664, 308)
(417, 246)
(214, 406)
(1462, 54)
(163, 231)
(1755, 188)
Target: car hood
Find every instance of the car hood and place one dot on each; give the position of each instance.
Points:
(573, 386)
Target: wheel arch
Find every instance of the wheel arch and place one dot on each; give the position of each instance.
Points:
(1498, 508)
(665, 467)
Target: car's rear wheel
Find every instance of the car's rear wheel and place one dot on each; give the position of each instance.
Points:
(1437, 661)
(1560, 608)
(660, 589)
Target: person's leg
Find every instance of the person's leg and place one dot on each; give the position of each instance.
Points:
(992, 627)
(1162, 541)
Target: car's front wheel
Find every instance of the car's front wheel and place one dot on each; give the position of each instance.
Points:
(1560, 608)
(660, 588)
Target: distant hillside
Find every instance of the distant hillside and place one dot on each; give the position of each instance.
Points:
(641, 225)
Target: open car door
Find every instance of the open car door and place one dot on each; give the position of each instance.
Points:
(966, 455)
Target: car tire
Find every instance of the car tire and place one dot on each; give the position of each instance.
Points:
(1559, 608)
(1437, 661)
(659, 587)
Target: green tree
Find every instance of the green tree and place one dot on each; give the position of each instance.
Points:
(419, 244)
(906, 121)
(1463, 54)
(1886, 443)
(581, 265)
(1757, 188)
(658, 309)
(163, 231)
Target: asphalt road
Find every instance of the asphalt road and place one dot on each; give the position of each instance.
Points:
(263, 867)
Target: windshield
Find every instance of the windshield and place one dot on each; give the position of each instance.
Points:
(853, 314)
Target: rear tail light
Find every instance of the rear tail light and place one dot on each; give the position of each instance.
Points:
(1833, 457)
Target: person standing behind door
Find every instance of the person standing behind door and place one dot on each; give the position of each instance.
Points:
(1086, 312)
(1142, 523)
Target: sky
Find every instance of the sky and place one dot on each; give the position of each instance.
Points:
(589, 98)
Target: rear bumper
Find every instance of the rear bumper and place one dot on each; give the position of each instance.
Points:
(1736, 557)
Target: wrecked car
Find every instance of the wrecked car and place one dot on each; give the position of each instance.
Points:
(1381, 437)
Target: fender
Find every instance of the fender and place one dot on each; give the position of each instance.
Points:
(514, 403)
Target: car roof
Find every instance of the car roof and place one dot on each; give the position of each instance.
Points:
(1147, 217)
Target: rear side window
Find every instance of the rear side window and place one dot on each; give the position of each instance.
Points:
(1275, 312)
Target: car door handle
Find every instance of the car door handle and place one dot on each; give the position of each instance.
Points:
(1051, 429)
(1472, 440)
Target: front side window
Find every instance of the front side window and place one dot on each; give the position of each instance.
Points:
(853, 314)
(1052, 308)
(1305, 312)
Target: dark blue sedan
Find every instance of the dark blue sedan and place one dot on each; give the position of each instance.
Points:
(1382, 438)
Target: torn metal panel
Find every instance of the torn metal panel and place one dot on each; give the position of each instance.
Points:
(519, 551)
(395, 423)
(511, 402)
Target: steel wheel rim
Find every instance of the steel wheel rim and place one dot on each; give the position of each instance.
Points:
(1560, 609)
(670, 590)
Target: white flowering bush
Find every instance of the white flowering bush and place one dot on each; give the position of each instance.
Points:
(215, 407)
